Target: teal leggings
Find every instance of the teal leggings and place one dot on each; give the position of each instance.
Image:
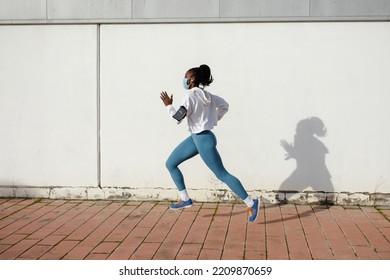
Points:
(204, 144)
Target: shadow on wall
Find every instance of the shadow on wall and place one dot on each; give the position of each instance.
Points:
(311, 173)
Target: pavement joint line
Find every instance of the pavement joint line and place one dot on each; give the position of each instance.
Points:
(285, 232)
(304, 232)
(140, 243)
(227, 231)
(323, 232)
(208, 228)
(343, 232)
(16, 211)
(139, 221)
(38, 218)
(23, 215)
(265, 235)
(92, 217)
(185, 236)
(360, 229)
(166, 210)
(383, 214)
(374, 224)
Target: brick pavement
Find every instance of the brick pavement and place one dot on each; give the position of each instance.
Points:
(118, 230)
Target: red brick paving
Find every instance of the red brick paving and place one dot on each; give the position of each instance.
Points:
(105, 248)
(145, 251)
(175, 238)
(189, 252)
(97, 256)
(98, 230)
(19, 221)
(4, 247)
(235, 238)
(215, 239)
(275, 234)
(59, 251)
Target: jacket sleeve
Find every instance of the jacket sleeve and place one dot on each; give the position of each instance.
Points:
(184, 110)
(222, 107)
(171, 110)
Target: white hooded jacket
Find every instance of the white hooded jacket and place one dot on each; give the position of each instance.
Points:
(204, 109)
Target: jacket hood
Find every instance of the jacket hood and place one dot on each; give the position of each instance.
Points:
(203, 96)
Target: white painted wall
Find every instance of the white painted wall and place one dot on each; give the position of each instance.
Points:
(273, 75)
(48, 105)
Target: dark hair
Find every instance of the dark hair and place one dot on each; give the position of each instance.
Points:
(202, 75)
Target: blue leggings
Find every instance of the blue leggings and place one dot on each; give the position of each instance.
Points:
(204, 144)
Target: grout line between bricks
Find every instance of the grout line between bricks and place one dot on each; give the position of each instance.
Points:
(265, 235)
(131, 212)
(304, 232)
(166, 210)
(35, 220)
(323, 232)
(383, 214)
(134, 227)
(78, 215)
(189, 230)
(99, 225)
(55, 219)
(151, 229)
(361, 230)
(23, 214)
(81, 241)
(169, 231)
(227, 231)
(136, 249)
(207, 232)
(373, 223)
(15, 204)
(284, 232)
(343, 233)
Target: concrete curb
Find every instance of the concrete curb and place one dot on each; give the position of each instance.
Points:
(198, 194)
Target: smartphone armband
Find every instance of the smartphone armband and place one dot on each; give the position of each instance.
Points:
(180, 114)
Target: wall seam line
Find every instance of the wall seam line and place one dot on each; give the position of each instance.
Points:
(98, 108)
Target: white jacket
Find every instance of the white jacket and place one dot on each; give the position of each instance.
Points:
(204, 109)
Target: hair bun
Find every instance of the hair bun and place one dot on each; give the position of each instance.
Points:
(205, 77)
(204, 67)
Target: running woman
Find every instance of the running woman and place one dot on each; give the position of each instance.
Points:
(203, 110)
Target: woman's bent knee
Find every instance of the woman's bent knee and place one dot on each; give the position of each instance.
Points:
(171, 165)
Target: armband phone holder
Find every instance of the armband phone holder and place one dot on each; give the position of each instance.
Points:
(180, 114)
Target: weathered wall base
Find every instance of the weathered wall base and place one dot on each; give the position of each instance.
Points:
(201, 195)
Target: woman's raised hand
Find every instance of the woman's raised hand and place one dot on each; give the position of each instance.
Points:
(166, 99)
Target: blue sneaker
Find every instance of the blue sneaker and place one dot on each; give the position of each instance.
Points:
(254, 210)
(181, 204)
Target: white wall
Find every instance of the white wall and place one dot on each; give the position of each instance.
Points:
(273, 75)
(48, 105)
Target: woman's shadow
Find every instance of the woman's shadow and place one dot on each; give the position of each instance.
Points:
(311, 173)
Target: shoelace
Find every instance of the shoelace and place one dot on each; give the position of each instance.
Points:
(179, 201)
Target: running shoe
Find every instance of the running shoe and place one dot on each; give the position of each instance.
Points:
(181, 204)
(254, 210)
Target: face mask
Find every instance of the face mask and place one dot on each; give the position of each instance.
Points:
(185, 85)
